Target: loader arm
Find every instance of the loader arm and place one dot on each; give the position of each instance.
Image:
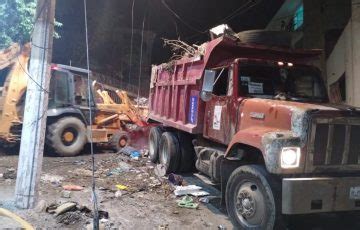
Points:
(15, 58)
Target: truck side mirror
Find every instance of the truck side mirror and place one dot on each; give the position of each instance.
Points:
(208, 85)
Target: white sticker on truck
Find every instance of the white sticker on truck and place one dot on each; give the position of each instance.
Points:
(217, 117)
(256, 88)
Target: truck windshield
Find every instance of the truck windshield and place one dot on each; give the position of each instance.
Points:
(269, 81)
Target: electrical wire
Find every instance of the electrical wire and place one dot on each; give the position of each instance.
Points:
(93, 187)
(132, 37)
(141, 57)
(180, 19)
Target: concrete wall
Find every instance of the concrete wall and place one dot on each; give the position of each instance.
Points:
(345, 58)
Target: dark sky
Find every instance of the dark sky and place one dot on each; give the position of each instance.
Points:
(107, 17)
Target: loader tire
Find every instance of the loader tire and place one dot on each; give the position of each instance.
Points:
(120, 140)
(154, 142)
(66, 136)
(169, 152)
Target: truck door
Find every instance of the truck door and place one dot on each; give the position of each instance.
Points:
(219, 110)
(81, 96)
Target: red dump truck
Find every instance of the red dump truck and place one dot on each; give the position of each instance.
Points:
(256, 119)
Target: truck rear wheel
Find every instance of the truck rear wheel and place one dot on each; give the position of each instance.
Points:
(250, 201)
(169, 152)
(66, 136)
(188, 155)
(154, 142)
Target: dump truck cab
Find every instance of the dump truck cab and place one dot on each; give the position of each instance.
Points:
(257, 120)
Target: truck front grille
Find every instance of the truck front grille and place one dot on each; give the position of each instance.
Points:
(335, 142)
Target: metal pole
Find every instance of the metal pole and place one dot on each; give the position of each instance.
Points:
(36, 103)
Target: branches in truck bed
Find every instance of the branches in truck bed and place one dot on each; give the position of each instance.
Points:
(180, 49)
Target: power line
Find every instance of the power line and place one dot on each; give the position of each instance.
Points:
(132, 36)
(141, 57)
(180, 19)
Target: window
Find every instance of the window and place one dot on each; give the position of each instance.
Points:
(299, 17)
(259, 79)
(221, 82)
(59, 89)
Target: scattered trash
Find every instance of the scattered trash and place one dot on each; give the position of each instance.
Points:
(41, 206)
(9, 174)
(160, 170)
(175, 179)
(79, 162)
(83, 172)
(164, 227)
(189, 190)
(144, 152)
(187, 202)
(135, 154)
(73, 187)
(199, 193)
(103, 214)
(118, 194)
(1, 175)
(204, 200)
(53, 179)
(127, 150)
(66, 194)
(69, 218)
(221, 227)
(121, 187)
(64, 208)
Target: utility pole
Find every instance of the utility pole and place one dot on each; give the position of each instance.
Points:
(36, 103)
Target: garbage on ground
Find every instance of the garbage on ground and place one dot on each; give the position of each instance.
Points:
(63, 208)
(73, 187)
(187, 202)
(135, 155)
(9, 174)
(160, 170)
(66, 194)
(53, 179)
(121, 187)
(193, 190)
(127, 150)
(176, 179)
(204, 200)
(164, 227)
(221, 227)
(118, 194)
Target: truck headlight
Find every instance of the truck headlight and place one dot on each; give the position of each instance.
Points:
(290, 157)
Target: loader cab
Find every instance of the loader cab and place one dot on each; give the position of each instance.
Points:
(69, 89)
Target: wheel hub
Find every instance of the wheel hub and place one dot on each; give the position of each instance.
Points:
(68, 136)
(123, 142)
(250, 204)
(246, 204)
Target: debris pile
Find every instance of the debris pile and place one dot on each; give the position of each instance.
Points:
(180, 49)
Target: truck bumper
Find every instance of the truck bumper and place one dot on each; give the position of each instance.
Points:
(315, 195)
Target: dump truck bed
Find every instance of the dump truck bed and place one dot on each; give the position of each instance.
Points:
(175, 86)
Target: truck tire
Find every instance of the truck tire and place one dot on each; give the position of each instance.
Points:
(251, 201)
(188, 155)
(66, 136)
(120, 140)
(154, 142)
(169, 152)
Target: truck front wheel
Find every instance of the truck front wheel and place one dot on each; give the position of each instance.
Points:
(66, 136)
(169, 152)
(250, 200)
